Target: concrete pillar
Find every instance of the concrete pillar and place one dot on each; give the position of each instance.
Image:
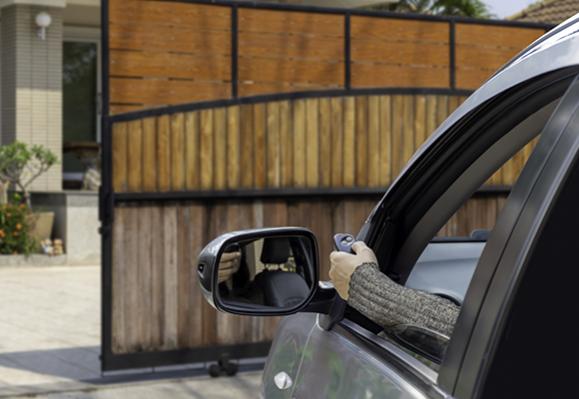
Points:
(31, 70)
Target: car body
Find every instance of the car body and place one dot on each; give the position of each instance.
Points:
(504, 285)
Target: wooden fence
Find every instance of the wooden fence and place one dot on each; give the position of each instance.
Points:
(342, 142)
(376, 87)
(166, 53)
(156, 302)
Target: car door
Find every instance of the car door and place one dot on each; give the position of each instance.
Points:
(512, 344)
(442, 175)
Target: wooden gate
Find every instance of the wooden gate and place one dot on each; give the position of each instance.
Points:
(227, 115)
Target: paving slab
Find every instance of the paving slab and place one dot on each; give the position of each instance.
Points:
(50, 344)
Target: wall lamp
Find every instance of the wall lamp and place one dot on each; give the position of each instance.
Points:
(43, 21)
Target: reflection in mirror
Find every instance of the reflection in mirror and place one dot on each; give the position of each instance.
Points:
(273, 272)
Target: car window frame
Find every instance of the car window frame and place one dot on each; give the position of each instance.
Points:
(482, 321)
(433, 172)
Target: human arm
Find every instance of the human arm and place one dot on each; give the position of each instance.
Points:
(358, 279)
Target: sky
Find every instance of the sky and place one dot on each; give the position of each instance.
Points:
(505, 8)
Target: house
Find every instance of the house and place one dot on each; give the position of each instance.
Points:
(51, 82)
(548, 11)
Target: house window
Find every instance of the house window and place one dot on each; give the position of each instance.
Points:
(80, 108)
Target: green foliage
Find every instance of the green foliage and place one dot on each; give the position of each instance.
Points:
(463, 8)
(15, 225)
(21, 164)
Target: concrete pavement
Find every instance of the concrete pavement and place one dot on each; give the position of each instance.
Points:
(50, 343)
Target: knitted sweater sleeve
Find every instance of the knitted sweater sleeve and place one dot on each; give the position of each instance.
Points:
(387, 303)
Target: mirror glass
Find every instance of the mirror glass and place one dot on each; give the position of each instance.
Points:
(271, 272)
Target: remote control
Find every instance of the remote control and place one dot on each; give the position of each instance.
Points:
(343, 242)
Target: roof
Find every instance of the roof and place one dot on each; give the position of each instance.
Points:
(548, 11)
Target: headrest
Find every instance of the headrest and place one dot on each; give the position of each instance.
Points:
(276, 250)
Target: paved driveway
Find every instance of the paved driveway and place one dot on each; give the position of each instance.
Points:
(50, 337)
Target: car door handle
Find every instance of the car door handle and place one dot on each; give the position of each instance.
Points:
(283, 381)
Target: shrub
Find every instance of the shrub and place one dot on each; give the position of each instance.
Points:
(15, 225)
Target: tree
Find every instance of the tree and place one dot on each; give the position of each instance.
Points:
(463, 8)
(20, 165)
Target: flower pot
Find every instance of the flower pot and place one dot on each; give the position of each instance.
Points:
(42, 223)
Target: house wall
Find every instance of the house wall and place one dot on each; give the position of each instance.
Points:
(32, 84)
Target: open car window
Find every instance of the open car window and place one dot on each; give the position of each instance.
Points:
(460, 223)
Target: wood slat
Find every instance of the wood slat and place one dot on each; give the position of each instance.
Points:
(192, 163)
(408, 128)
(400, 53)
(399, 30)
(119, 305)
(149, 155)
(164, 153)
(325, 141)
(151, 93)
(312, 143)
(170, 277)
(274, 21)
(385, 140)
(169, 38)
(273, 151)
(151, 13)
(157, 272)
(206, 146)
(496, 36)
(145, 238)
(337, 141)
(169, 65)
(299, 143)
(374, 141)
(419, 121)
(119, 149)
(361, 141)
(384, 75)
(349, 161)
(135, 156)
(259, 145)
(300, 45)
(220, 151)
(431, 115)
(296, 71)
(233, 147)
(247, 145)
(286, 142)
(398, 138)
(177, 152)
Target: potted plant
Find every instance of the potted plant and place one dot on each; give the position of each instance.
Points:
(20, 166)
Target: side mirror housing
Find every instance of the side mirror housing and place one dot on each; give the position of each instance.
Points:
(267, 272)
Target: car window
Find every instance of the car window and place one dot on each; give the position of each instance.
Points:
(460, 240)
(476, 218)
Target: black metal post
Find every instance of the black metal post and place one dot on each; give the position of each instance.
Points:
(234, 51)
(105, 195)
(347, 52)
(452, 53)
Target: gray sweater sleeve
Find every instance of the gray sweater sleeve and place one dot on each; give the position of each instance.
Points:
(379, 298)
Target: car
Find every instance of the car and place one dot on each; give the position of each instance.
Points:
(515, 336)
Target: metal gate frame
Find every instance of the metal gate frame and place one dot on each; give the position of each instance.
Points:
(108, 199)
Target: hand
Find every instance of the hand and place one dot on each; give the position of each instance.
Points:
(228, 265)
(343, 265)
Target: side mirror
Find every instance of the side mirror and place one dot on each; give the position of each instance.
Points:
(264, 272)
